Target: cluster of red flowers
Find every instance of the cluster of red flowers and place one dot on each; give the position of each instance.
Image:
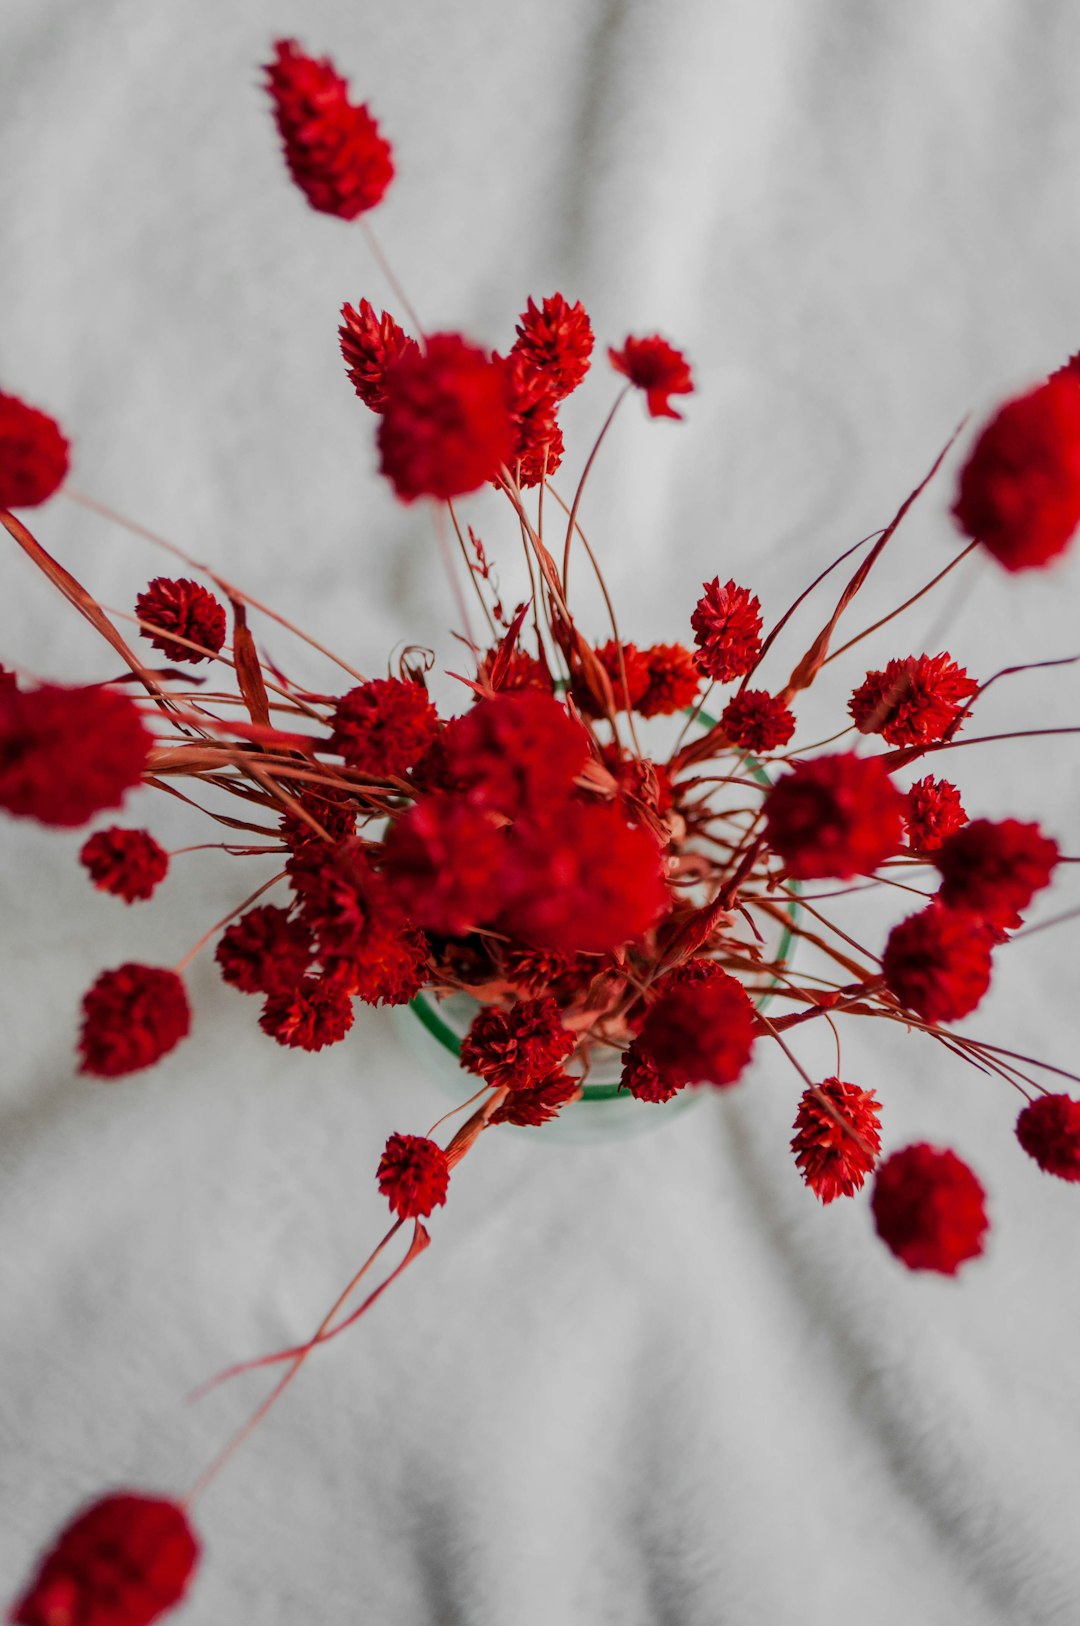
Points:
(602, 907)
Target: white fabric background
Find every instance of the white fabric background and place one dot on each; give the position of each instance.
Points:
(646, 1381)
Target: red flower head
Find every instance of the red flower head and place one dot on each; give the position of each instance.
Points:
(538, 441)
(929, 1209)
(700, 1031)
(518, 1048)
(652, 365)
(8, 680)
(314, 1012)
(370, 345)
(186, 610)
(367, 945)
(515, 752)
(834, 816)
(123, 1561)
(33, 454)
(131, 1018)
(727, 631)
(995, 869)
(127, 863)
(913, 701)
(533, 1107)
(413, 1175)
(757, 721)
(556, 341)
(444, 860)
(264, 952)
(629, 679)
(383, 727)
(333, 148)
(643, 1078)
(66, 754)
(446, 427)
(1020, 488)
(937, 963)
(521, 671)
(584, 881)
(673, 681)
(332, 809)
(1049, 1131)
(934, 812)
(835, 1151)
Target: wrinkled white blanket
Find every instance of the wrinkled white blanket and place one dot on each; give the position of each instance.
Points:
(650, 1380)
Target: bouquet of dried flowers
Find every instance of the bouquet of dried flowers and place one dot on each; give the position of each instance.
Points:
(605, 894)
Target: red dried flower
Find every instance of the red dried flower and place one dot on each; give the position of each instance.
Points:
(1049, 1131)
(370, 345)
(643, 1078)
(674, 681)
(934, 811)
(33, 454)
(517, 1048)
(535, 972)
(834, 816)
(521, 671)
(937, 963)
(700, 1031)
(446, 427)
(995, 869)
(515, 752)
(66, 754)
(586, 882)
(333, 148)
(912, 701)
(131, 1018)
(413, 1175)
(123, 1561)
(332, 809)
(1020, 488)
(727, 630)
(368, 946)
(835, 1157)
(557, 341)
(533, 1107)
(758, 721)
(186, 610)
(652, 365)
(445, 860)
(538, 441)
(383, 727)
(127, 863)
(629, 680)
(8, 680)
(314, 1012)
(929, 1208)
(264, 952)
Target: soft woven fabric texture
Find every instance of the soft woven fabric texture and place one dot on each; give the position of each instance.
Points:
(643, 1381)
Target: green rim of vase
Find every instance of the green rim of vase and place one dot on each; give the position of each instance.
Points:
(428, 1015)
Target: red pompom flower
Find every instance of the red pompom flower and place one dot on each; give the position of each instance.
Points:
(184, 609)
(727, 630)
(123, 1561)
(556, 340)
(700, 1031)
(757, 721)
(1020, 488)
(834, 816)
(1049, 1131)
(937, 963)
(312, 1013)
(333, 148)
(131, 1018)
(446, 427)
(413, 1175)
(674, 680)
(537, 1105)
(933, 812)
(33, 454)
(913, 701)
(264, 952)
(995, 869)
(929, 1209)
(517, 1048)
(370, 345)
(836, 1150)
(66, 754)
(128, 863)
(384, 726)
(653, 365)
(444, 860)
